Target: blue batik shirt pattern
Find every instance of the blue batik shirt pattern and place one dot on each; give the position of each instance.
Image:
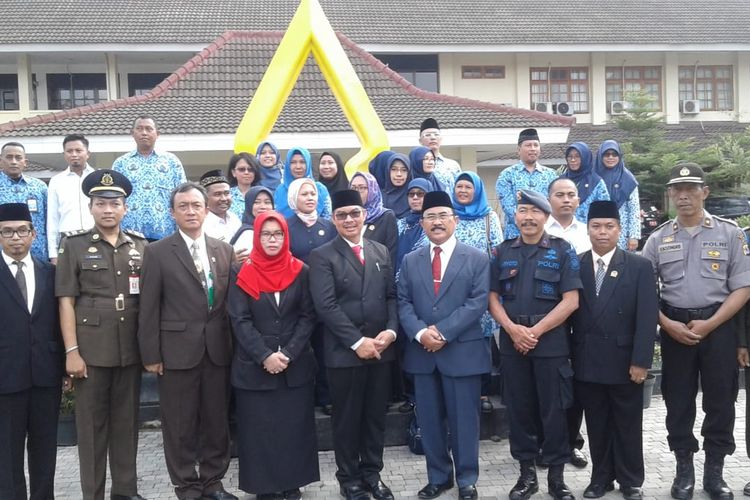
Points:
(630, 220)
(515, 178)
(153, 178)
(599, 193)
(474, 233)
(238, 201)
(33, 192)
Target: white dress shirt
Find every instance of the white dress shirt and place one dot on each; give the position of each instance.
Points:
(202, 252)
(576, 233)
(67, 207)
(607, 257)
(221, 229)
(28, 272)
(446, 251)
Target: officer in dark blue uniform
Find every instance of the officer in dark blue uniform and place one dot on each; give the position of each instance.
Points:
(534, 288)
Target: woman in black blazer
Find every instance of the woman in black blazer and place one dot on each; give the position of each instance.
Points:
(273, 368)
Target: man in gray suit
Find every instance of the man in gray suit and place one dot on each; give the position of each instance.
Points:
(442, 293)
(184, 337)
(354, 295)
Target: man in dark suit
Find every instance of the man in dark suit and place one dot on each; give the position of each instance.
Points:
(31, 361)
(184, 336)
(352, 287)
(442, 295)
(614, 331)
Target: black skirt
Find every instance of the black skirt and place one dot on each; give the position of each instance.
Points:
(277, 444)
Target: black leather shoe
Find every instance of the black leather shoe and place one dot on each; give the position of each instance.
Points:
(746, 491)
(406, 407)
(597, 490)
(379, 491)
(354, 492)
(434, 490)
(467, 492)
(487, 405)
(578, 459)
(269, 496)
(684, 481)
(127, 497)
(631, 492)
(294, 494)
(219, 495)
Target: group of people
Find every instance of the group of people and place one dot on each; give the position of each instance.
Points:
(283, 292)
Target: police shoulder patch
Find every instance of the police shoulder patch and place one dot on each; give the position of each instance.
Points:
(78, 232)
(132, 232)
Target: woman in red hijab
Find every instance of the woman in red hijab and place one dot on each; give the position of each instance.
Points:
(273, 368)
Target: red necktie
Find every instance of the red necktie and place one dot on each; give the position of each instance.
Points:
(358, 252)
(436, 270)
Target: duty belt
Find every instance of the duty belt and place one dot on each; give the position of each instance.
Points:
(530, 320)
(688, 315)
(119, 303)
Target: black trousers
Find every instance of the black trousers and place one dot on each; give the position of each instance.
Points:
(714, 360)
(359, 395)
(537, 392)
(614, 419)
(29, 418)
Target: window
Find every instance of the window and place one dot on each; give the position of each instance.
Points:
(711, 85)
(8, 92)
(474, 72)
(140, 83)
(65, 90)
(621, 80)
(561, 85)
(419, 69)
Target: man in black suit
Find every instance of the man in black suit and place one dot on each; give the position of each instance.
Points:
(354, 294)
(31, 361)
(614, 330)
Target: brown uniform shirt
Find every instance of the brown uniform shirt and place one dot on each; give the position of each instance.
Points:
(104, 281)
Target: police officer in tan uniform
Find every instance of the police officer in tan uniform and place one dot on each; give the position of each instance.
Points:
(97, 284)
(703, 266)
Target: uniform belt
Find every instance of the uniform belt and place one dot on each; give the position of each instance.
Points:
(116, 304)
(530, 320)
(688, 315)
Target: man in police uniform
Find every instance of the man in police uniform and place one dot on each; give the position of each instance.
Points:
(534, 288)
(704, 270)
(97, 285)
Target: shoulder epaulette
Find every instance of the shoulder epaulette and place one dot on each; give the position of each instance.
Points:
(77, 232)
(668, 221)
(132, 232)
(722, 219)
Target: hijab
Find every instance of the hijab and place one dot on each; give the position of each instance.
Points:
(270, 177)
(414, 231)
(478, 207)
(339, 181)
(377, 167)
(584, 178)
(619, 180)
(247, 216)
(416, 160)
(374, 203)
(264, 273)
(281, 195)
(394, 197)
(294, 188)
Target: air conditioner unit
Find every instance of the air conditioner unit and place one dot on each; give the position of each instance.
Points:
(564, 108)
(544, 107)
(690, 107)
(618, 107)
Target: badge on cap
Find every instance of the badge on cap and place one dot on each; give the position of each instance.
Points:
(107, 180)
(685, 171)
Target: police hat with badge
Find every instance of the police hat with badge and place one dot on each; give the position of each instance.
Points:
(528, 197)
(686, 173)
(106, 183)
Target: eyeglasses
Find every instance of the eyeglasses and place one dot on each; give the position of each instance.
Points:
(416, 194)
(360, 189)
(342, 216)
(268, 235)
(574, 158)
(23, 232)
(433, 218)
(244, 170)
(611, 154)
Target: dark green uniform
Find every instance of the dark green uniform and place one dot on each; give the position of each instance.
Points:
(104, 281)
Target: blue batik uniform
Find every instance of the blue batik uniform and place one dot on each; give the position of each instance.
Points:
(515, 178)
(598, 194)
(33, 192)
(238, 201)
(153, 178)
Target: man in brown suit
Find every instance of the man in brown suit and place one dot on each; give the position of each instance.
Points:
(184, 336)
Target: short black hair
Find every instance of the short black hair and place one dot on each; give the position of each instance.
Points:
(76, 137)
(251, 160)
(559, 179)
(13, 144)
(184, 188)
(144, 117)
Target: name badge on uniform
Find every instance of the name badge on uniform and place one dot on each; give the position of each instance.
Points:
(33, 207)
(135, 286)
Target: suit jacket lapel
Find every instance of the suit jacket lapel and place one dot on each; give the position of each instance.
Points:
(40, 281)
(612, 276)
(425, 269)
(183, 255)
(212, 248)
(346, 251)
(7, 279)
(450, 271)
(587, 279)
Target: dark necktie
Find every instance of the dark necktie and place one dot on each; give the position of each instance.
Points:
(21, 280)
(358, 252)
(599, 278)
(436, 271)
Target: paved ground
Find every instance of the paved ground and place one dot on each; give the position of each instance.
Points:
(405, 473)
